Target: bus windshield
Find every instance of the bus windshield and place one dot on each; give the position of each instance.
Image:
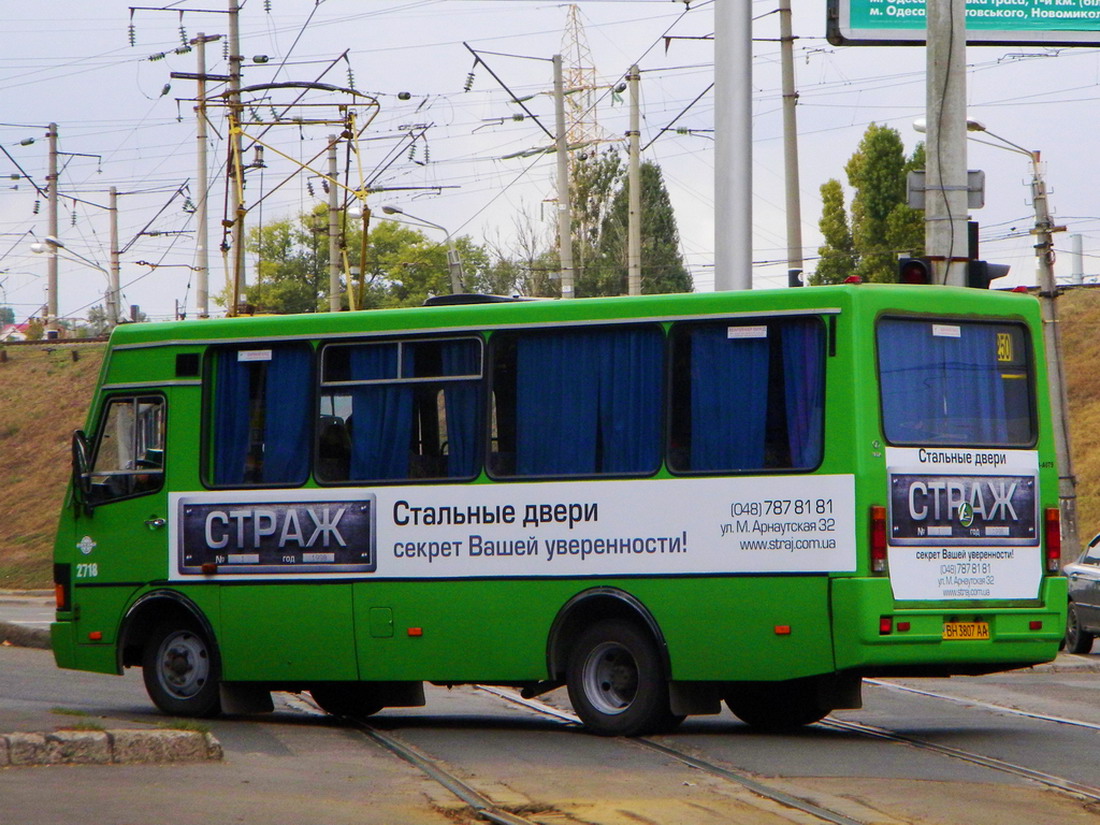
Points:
(955, 383)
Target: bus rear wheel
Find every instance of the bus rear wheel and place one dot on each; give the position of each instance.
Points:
(615, 681)
(347, 698)
(181, 671)
(777, 706)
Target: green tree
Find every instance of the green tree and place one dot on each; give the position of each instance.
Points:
(7, 315)
(401, 266)
(662, 265)
(837, 256)
(882, 225)
(594, 181)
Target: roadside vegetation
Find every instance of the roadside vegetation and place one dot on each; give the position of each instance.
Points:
(44, 393)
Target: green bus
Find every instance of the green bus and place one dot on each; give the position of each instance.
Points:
(660, 502)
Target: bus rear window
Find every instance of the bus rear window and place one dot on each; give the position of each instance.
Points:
(955, 382)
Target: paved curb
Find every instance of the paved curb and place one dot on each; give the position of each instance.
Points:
(21, 636)
(110, 747)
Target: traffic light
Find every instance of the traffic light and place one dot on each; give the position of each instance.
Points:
(980, 273)
(914, 271)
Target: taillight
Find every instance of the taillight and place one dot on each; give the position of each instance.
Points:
(62, 583)
(1053, 530)
(878, 538)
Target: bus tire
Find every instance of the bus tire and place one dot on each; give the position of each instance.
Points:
(615, 681)
(347, 698)
(777, 706)
(181, 671)
(1077, 640)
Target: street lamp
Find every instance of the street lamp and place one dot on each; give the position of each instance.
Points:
(1052, 338)
(51, 245)
(454, 263)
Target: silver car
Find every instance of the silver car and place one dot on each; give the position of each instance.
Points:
(1083, 617)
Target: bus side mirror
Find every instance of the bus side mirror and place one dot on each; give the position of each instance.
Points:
(82, 479)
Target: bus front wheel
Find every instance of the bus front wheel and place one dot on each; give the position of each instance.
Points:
(615, 681)
(181, 671)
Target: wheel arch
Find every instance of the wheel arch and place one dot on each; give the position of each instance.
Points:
(148, 612)
(594, 605)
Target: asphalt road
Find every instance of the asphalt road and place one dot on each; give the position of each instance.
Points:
(301, 768)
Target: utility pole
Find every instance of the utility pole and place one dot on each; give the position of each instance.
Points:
(1048, 294)
(51, 231)
(333, 230)
(634, 188)
(732, 145)
(236, 161)
(202, 245)
(565, 222)
(945, 210)
(113, 279)
(790, 147)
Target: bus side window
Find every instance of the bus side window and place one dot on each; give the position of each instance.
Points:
(261, 416)
(577, 402)
(400, 410)
(748, 396)
(129, 453)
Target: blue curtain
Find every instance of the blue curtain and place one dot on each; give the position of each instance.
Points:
(804, 388)
(381, 420)
(556, 405)
(462, 402)
(975, 386)
(941, 388)
(908, 377)
(289, 396)
(729, 400)
(232, 412)
(630, 366)
(588, 402)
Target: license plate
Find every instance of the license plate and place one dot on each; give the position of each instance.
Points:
(953, 631)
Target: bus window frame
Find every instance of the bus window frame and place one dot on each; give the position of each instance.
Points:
(512, 332)
(91, 499)
(401, 340)
(1032, 383)
(828, 350)
(209, 402)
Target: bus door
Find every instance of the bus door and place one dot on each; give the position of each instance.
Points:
(119, 530)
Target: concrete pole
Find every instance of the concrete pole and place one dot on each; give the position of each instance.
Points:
(565, 217)
(1078, 276)
(235, 179)
(634, 189)
(113, 283)
(202, 237)
(790, 148)
(733, 145)
(945, 211)
(1059, 404)
(51, 231)
(333, 230)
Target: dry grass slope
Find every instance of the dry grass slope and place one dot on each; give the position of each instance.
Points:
(1079, 317)
(44, 394)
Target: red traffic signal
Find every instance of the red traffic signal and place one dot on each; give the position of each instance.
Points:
(914, 271)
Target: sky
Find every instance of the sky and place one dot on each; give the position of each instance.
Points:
(99, 70)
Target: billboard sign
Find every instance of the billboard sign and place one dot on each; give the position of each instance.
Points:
(988, 22)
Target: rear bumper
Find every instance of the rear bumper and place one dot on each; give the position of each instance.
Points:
(1020, 635)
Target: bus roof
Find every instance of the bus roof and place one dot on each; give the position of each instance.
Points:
(501, 314)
